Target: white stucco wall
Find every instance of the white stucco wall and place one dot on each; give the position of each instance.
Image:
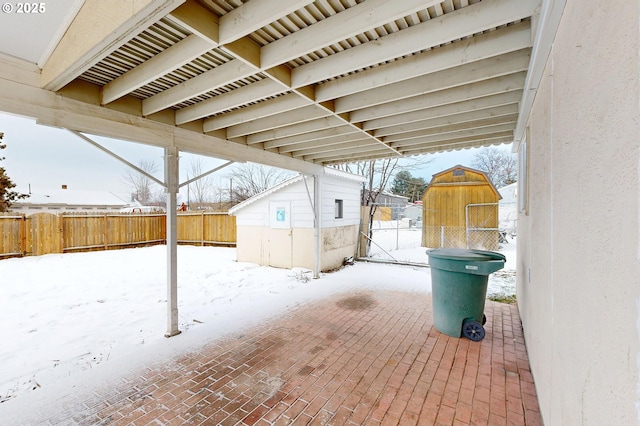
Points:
(578, 247)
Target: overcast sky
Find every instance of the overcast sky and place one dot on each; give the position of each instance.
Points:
(46, 158)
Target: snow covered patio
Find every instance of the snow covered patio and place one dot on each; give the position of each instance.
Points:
(259, 345)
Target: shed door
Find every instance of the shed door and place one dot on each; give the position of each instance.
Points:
(280, 240)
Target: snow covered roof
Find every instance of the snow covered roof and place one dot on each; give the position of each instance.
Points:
(263, 194)
(328, 170)
(345, 175)
(69, 197)
(509, 193)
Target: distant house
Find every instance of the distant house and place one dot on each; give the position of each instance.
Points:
(68, 200)
(276, 227)
(509, 208)
(388, 206)
(460, 209)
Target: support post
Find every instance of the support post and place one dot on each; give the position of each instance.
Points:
(171, 174)
(317, 227)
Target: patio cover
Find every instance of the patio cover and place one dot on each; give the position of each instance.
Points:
(297, 84)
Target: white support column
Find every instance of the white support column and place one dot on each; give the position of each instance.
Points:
(171, 173)
(317, 226)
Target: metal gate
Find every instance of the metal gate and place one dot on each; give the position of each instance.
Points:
(482, 223)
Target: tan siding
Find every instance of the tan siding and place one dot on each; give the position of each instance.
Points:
(444, 204)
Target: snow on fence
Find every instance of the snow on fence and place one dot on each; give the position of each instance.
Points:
(45, 233)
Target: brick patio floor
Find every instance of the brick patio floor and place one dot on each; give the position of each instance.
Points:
(366, 358)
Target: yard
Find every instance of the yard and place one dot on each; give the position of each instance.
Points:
(68, 317)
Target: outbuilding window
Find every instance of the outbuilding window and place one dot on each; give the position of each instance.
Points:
(338, 209)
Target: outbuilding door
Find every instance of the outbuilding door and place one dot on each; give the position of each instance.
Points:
(280, 240)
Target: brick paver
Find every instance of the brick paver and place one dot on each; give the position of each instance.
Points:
(366, 358)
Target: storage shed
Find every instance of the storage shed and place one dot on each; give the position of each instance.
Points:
(460, 209)
(276, 227)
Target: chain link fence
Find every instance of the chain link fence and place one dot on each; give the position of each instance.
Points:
(398, 234)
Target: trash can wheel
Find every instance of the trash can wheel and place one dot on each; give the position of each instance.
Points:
(484, 319)
(473, 330)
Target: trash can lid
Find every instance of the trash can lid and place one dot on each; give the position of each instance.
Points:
(466, 254)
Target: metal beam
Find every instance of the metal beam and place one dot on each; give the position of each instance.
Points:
(305, 130)
(507, 120)
(198, 20)
(55, 110)
(317, 136)
(299, 115)
(474, 19)
(230, 72)
(473, 72)
(457, 94)
(250, 93)
(254, 15)
(274, 106)
(326, 142)
(465, 117)
(440, 111)
(355, 20)
(350, 146)
(494, 43)
(117, 157)
(163, 63)
(200, 176)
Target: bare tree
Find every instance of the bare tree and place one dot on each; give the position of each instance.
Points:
(500, 166)
(200, 191)
(144, 190)
(249, 179)
(378, 174)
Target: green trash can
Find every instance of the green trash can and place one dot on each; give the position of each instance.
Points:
(459, 288)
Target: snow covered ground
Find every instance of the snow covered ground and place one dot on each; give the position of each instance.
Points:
(67, 316)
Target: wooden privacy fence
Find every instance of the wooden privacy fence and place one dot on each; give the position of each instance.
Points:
(45, 233)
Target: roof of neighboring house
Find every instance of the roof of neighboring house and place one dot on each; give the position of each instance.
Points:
(70, 197)
(509, 193)
(328, 170)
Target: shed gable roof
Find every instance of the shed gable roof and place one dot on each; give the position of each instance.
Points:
(440, 177)
(279, 187)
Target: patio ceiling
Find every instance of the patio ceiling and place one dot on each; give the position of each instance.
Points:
(311, 82)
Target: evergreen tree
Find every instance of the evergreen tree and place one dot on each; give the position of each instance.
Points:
(7, 196)
(400, 184)
(408, 186)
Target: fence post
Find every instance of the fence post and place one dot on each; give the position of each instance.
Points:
(364, 226)
(203, 233)
(104, 233)
(60, 219)
(466, 224)
(23, 235)
(397, 228)
(441, 235)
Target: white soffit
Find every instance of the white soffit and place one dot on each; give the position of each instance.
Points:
(31, 30)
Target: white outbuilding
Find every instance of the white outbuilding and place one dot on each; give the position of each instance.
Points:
(278, 227)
